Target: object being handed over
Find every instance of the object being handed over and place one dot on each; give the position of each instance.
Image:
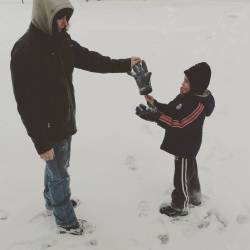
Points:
(142, 77)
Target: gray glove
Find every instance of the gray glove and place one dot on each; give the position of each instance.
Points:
(142, 78)
(147, 114)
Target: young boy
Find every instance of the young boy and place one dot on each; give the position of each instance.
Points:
(183, 120)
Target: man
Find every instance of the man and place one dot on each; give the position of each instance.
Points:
(42, 63)
(183, 120)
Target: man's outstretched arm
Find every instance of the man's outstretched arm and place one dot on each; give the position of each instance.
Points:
(95, 62)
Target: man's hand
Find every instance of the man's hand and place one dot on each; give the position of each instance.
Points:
(48, 156)
(134, 61)
(142, 77)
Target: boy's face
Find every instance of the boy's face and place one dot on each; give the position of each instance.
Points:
(185, 86)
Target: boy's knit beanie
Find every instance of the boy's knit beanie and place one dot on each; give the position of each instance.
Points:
(199, 77)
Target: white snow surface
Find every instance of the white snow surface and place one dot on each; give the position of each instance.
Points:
(117, 168)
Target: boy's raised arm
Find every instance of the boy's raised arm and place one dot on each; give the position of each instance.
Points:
(166, 121)
(162, 107)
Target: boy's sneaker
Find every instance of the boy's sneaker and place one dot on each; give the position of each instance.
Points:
(77, 229)
(173, 212)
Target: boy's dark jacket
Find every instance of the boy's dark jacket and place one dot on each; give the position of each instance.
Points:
(41, 69)
(183, 120)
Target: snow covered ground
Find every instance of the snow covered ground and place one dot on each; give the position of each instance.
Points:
(117, 169)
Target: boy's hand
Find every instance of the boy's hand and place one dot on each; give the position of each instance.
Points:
(140, 109)
(147, 114)
(150, 100)
(48, 156)
(134, 61)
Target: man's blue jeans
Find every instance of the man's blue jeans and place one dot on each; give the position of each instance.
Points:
(57, 185)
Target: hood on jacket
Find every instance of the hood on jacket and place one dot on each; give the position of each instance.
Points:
(44, 11)
(208, 100)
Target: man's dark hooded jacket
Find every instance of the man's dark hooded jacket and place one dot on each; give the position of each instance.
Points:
(42, 64)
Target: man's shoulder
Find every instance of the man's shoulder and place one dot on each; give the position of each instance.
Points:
(21, 47)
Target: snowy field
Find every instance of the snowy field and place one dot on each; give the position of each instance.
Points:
(117, 169)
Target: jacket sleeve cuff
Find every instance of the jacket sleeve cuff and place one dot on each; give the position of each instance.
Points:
(126, 65)
(42, 146)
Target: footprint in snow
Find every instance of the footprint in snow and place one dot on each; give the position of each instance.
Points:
(242, 219)
(91, 242)
(3, 215)
(130, 162)
(205, 222)
(164, 238)
(211, 215)
(39, 244)
(144, 208)
(89, 228)
(40, 216)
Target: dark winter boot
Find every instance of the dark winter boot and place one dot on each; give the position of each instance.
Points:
(173, 212)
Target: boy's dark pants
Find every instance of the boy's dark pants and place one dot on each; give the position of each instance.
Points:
(186, 183)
